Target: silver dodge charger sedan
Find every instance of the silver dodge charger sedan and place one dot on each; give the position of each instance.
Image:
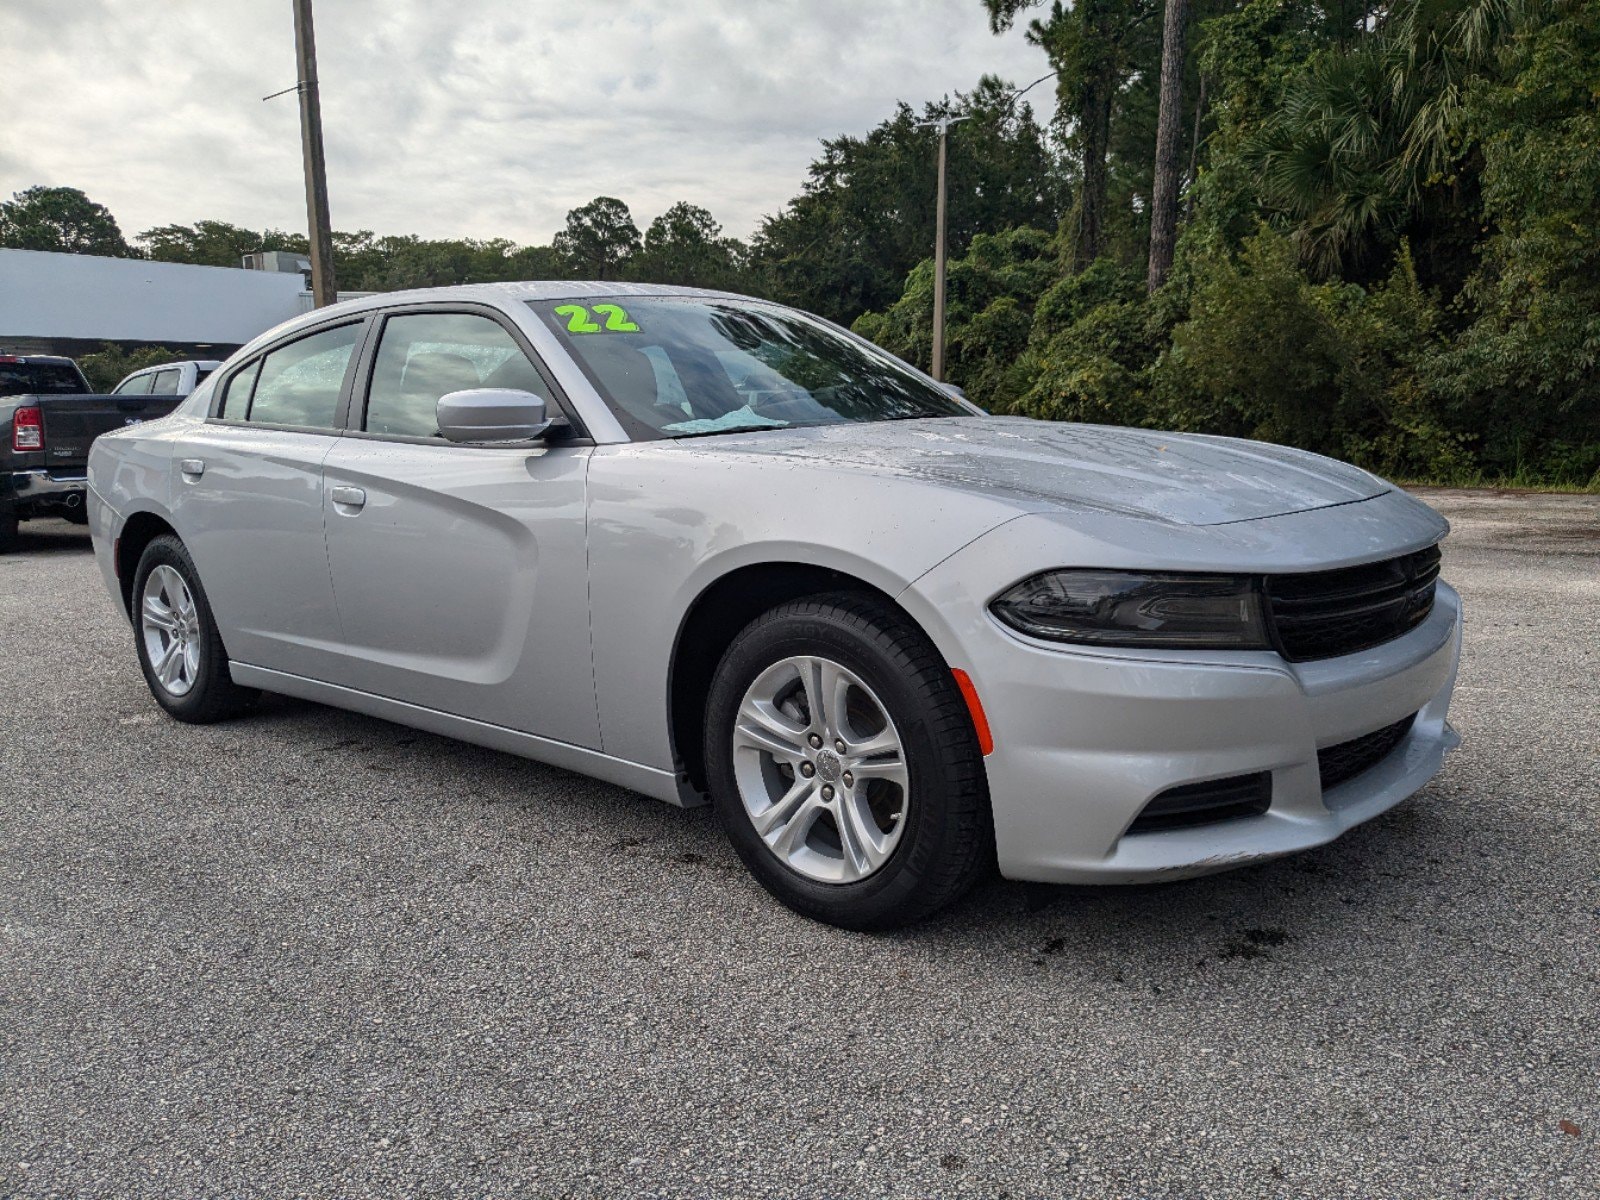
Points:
(710, 548)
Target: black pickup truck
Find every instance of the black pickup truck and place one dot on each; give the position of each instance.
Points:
(48, 417)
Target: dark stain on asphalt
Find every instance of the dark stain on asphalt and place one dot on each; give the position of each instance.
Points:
(1254, 943)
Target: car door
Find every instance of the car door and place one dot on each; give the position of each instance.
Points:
(460, 571)
(247, 499)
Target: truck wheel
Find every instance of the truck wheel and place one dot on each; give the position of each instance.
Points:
(180, 651)
(844, 765)
(8, 531)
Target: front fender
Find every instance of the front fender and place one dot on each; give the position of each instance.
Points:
(665, 525)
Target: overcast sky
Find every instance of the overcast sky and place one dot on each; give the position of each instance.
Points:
(474, 118)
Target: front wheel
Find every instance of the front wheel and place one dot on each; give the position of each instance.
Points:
(175, 634)
(844, 766)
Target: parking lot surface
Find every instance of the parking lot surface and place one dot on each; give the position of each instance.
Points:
(311, 953)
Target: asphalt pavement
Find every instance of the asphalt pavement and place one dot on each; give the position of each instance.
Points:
(308, 953)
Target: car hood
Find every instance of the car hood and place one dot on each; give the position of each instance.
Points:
(1184, 479)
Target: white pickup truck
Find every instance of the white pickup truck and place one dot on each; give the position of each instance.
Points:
(170, 379)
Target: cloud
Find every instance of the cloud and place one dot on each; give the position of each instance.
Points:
(477, 118)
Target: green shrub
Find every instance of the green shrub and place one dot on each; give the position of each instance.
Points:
(109, 365)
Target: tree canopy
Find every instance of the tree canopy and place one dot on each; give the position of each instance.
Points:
(61, 219)
(864, 217)
(599, 237)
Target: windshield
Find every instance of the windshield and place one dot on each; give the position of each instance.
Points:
(685, 367)
(40, 379)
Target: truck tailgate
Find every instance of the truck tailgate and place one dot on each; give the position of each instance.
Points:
(71, 423)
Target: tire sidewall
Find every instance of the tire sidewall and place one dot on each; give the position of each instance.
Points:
(874, 901)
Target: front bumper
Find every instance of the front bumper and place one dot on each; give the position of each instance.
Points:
(1083, 741)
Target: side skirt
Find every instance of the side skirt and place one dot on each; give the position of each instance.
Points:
(639, 778)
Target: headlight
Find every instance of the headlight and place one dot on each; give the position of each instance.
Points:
(1135, 608)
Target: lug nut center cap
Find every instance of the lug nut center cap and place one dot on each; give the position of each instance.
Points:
(829, 767)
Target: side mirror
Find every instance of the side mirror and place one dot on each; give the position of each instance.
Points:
(951, 389)
(491, 415)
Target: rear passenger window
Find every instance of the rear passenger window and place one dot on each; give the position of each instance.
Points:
(423, 356)
(166, 383)
(297, 384)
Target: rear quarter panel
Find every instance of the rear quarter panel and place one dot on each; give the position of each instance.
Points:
(129, 472)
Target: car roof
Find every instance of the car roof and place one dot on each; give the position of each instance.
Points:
(205, 364)
(556, 289)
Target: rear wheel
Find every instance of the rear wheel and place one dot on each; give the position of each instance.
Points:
(180, 650)
(8, 531)
(844, 766)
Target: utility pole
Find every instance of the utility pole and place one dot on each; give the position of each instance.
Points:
(943, 126)
(324, 290)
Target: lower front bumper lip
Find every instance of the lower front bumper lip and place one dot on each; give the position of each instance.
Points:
(1204, 850)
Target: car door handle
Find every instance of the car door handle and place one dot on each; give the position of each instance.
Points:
(350, 497)
(193, 466)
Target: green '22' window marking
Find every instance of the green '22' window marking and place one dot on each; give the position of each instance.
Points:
(579, 319)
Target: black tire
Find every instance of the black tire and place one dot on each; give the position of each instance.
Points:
(8, 531)
(947, 843)
(213, 696)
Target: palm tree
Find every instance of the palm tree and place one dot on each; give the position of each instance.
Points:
(1365, 131)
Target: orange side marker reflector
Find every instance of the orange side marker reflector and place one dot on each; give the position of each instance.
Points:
(980, 723)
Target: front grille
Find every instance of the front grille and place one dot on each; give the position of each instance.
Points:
(1322, 614)
(1338, 764)
(1205, 803)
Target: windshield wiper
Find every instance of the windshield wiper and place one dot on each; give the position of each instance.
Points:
(700, 433)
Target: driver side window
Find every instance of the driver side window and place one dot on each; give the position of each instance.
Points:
(423, 356)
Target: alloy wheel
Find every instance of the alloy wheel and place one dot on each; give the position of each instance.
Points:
(821, 770)
(170, 627)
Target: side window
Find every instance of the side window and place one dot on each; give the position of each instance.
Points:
(235, 400)
(298, 384)
(423, 356)
(139, 385)
(165, 383)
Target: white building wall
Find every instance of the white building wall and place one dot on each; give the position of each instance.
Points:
(61, 296)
